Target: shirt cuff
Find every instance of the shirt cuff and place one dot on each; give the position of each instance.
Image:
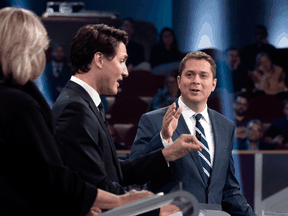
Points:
(164, 142)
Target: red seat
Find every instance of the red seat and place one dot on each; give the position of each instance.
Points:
(127, 109)
(266, 108)
(141, 83)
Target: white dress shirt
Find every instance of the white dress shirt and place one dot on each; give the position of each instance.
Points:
(92, 92)
(187, 114)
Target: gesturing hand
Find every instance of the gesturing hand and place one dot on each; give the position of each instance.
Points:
(170, 121)
(184, 144)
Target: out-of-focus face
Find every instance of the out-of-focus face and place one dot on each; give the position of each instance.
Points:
(58, 54)
(259, 35)
(196, 82)
(232, 57)
(172, 85)
(113, 71)
(241, 106)
(128, 28)
(265, 63)
(254, 132)
(167, 38)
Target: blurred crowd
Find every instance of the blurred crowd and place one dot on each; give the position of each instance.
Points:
(254, 76)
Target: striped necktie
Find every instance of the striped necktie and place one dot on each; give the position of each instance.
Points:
(205, 153)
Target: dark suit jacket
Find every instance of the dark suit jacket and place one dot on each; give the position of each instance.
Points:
(223, 188)
(87, 147)
(33, 178)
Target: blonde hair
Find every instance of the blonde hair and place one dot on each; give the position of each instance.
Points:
(23, 39)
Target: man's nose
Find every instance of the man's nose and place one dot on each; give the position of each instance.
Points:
(125, 72)
(196, 79)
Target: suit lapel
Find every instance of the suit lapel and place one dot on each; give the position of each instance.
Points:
(217, 146)
(95, 110)
(182, 128)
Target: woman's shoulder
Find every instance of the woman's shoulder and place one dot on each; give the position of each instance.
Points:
(15, 98)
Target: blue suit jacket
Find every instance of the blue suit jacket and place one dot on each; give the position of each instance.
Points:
(223, 188)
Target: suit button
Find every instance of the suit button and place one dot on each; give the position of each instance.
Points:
(208, 191)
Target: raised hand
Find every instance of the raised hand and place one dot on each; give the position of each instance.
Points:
(170, 121)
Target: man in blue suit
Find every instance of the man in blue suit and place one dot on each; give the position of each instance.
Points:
(209, 175)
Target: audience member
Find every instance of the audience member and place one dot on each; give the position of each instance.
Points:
(167, 95)
(98, 64)
(34, 180)
(268, 77)
(254, 140)
(277, 130)
(135, 50)
(233, 67)
(165, 55)
(248, 54)
(241, 106)
(56, 74)
(209, 174)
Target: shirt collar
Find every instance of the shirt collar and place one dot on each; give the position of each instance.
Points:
(92, 92)
(188, 112)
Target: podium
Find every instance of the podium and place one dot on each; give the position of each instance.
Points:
(188, 204)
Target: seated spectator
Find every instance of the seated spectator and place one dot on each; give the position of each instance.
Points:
(254, 140)
(277, 130)
(167, 95)
(268, 77)
(248, 54)
(55, 76)
(135, 50)
(164, 52)
(233, 66)
(240, 113)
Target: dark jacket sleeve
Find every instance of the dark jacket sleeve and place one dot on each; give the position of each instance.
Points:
(83, 144)
(34, 171)
(144, 168)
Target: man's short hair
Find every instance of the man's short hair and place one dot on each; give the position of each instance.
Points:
(22, 39)
(91, 39)
(198, 55)
(254, 121)
(241, 94)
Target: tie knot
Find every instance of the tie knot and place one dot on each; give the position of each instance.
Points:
(198, 116)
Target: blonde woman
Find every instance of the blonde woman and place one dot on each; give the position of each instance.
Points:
(33, 179)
